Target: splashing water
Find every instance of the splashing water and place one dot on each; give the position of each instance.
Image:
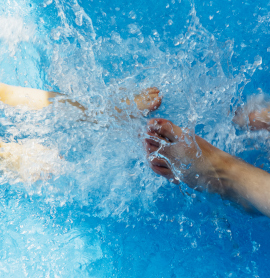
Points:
(103, 213)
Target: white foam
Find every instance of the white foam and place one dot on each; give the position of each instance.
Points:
(14, 31)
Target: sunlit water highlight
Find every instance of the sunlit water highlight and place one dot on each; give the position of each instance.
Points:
(105, 213)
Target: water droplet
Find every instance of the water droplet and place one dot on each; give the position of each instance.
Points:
(258, 60)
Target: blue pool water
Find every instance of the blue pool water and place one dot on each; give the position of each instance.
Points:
(104, 213)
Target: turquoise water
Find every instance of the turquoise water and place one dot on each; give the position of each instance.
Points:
(104, 213)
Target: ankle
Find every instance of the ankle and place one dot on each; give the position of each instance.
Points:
(223, 167)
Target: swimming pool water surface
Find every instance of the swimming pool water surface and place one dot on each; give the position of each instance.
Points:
(105, 213)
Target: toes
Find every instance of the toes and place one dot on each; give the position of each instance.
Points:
(151, 96)
(148, 100)
(165, 129)
(258, 120)
(151, 145)
(152, 91)
(160, 167)
(151, 149)
(152, 142)
(154, 103)
(155, 139)
(156, 161)
(160, 130)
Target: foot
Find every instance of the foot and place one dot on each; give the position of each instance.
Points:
(256, 119)
(148, 100)
(177, 154)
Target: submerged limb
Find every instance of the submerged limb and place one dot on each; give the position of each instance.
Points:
(256, 120)
(35, 99)
(255, 114)
(30, 160)
(148, 99)
(176, 154)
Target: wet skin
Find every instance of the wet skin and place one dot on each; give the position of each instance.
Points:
(255, 119)
(34, 99)
(176, 154)
(27, 158)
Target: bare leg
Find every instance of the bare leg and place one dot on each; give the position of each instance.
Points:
(208, 167)
(31, 160)
(35, 99)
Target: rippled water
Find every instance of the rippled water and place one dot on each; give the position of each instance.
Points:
(104, 213)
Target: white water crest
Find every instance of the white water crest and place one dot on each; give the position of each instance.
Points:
(66, 223)
(106, 152)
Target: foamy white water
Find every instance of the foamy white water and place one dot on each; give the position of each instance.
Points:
(103, 212)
